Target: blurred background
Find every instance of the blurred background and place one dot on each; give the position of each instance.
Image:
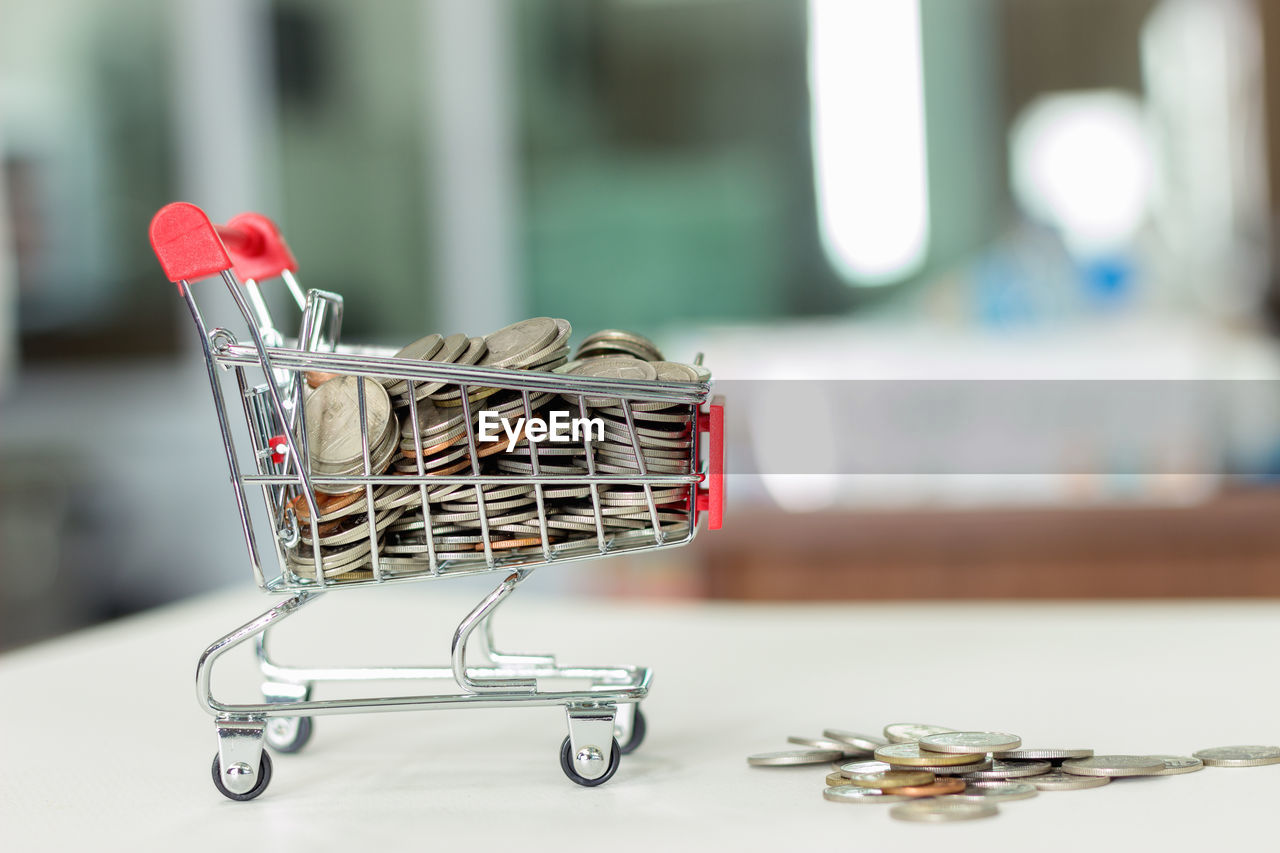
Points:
(830, 198)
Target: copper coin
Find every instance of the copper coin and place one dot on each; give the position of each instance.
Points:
(435, 448)
(325, 503)
(316, 378)
(937, 788)
(452, 469)
(511, 543)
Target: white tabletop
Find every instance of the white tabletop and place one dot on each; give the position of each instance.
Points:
(105, 748)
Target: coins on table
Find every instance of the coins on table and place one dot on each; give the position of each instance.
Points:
(911, 755)
(965, 785)
(912, 732)
(1176, 765)
(890, 779)
(1114, 765)
(997, 791)
(1042, 754)
(958, 769)
(1000, 769)
(969, 743)
(792, 757)
(942, 811)
(936, 788)
(1239, 756)
(826, 743)
(1058, 780)
(852, 768)
(850, 794)
(427, 428)
(866, 743)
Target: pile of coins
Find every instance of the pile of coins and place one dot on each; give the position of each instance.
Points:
(933, 774)
(422, 429)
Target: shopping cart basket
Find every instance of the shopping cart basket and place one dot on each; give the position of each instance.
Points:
(270, 379)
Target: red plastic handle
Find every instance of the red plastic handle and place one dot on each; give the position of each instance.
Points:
(711, 501)
(190, 247)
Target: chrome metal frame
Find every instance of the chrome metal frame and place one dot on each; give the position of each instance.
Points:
(602, 709)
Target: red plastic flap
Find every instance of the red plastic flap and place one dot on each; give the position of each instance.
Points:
(190, 247)
(186, 243)
(711, 501)
(257, 249)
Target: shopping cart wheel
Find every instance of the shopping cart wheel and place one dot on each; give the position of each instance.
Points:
(566, 764)
(637, 733)
(264, 779)
(288, 734)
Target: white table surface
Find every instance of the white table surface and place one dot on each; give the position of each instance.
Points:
(105, 748)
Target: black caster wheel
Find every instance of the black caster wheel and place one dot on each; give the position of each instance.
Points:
(637, 733)
(284, 736)
(264, 779)
(566, 764)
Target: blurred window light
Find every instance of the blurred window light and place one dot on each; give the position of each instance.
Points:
(1082, 162)
(866, 84)
(1204, 69)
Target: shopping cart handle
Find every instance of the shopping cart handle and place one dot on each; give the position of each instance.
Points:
(190, 247)
(711, 500)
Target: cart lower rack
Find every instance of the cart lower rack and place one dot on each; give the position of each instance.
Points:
(359, 491)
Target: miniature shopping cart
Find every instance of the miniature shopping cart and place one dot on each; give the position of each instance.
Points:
(267, 375)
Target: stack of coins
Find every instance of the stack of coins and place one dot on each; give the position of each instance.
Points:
(936, 774)
(611, 342)
(333, 431)
(421, 428)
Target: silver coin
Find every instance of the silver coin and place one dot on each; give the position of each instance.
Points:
(380, 459)
(849, 769)
(826, 743)
(622, 340)
(333, 420)
(512, 344)
(958, 769)
(792, 757)
(943, 810)
(610, 448)
(555, 351)
(625, 495)
(435, 423)
(866, 743)
(612, 368)
(969, 743)
(1042, 754)
(384, 497)
(1116, 765)
(850, 794)
(491, 507)
(613, 351)
(679, 419)
(1056, 780)
(336, 561)
(1011, 770)
(1238, 756)
(1176, 765)
(912, 732)
(349, 533)
(997, 791)
(451, 351)
(422, 349)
